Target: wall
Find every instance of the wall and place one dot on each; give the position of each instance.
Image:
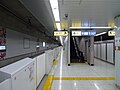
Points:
(15, 43)
(15, 50)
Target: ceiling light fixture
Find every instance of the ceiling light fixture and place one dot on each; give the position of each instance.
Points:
(58, 26)
(55, 9)
(91, 28)
(101, 33)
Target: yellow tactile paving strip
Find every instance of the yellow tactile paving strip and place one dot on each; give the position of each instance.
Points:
(55, 62)
(84, 78)
(48, 83)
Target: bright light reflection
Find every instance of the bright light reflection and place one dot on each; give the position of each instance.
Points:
(61, 40)
(75, 84)
(61, 61)
(96, 86)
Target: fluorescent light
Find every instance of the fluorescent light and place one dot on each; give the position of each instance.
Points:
(58, 26)
(43, 44)
(101, 33)
(55, 9)
(91, 27)
(37, 46)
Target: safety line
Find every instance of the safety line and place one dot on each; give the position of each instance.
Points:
(84, 78)
(48, 83)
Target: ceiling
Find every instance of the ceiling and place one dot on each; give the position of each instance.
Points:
(39, 9)
(34, 15)
(84, 12)
(90, 12)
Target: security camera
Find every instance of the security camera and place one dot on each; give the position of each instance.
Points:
(66, 15)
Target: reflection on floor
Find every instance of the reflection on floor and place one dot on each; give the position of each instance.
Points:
(82, 76)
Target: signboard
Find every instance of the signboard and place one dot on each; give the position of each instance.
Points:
(60, 33)
(76, 33)
(84, 33)
(111, 33)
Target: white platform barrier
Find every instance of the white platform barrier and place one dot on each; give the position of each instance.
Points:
(56, 51)
(40, 68)
(21, 74)
(27, 73)
(5, 85)
(49, 57)
(5, 81)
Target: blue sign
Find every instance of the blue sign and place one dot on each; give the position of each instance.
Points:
(88, 33)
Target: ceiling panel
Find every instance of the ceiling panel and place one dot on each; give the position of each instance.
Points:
(98, 11)
(39, 9)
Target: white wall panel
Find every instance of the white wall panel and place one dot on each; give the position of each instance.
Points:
(103, 51)
(110, 52)
(99, 51)
(95, 50)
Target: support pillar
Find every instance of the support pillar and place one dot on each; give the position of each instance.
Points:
(68, 48)
(91, 51)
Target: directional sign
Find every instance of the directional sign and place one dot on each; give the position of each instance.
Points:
(111, 33)
(88, 33)
(76, 33)
(84, 33)
(60, 33)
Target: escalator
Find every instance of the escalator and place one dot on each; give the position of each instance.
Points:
(76, 55)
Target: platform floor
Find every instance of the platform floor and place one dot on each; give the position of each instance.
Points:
(101, 76)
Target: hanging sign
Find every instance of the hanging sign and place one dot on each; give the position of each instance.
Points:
(111, 33)
(60, 33)
(84, 33)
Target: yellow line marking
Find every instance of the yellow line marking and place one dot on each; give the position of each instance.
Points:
(84, 78)
(48, 83)
(55, 62)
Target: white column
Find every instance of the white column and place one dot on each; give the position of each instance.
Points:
(68, 48)
(117, 52)
(92, 51)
